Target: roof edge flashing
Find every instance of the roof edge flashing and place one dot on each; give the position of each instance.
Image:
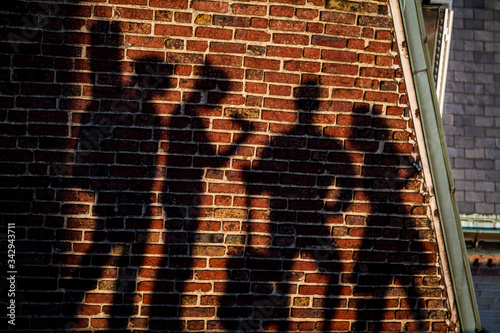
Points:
(448, 229)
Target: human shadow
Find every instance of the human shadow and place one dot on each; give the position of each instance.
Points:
(191, 157)
(96, 252)
(333, 244)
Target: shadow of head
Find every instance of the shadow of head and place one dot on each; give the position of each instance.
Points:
(307, 95)
(153, 74)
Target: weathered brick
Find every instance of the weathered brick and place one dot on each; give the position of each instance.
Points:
(253, 152)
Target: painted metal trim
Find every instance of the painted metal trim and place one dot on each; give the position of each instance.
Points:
(439, 165)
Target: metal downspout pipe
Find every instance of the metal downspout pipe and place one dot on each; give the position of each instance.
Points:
(437, 155)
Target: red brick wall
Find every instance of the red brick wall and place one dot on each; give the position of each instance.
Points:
(213, 166)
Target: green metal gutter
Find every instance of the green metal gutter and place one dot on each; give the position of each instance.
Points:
(437, 154)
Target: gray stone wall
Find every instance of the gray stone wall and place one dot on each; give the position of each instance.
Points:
(471, 113)
(487, 289)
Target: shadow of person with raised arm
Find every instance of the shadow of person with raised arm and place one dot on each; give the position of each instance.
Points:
(291, 210)
(113, 146)
(191, 156)
(325, 249)
(375, 251)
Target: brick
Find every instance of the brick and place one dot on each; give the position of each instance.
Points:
(330, 16)
(199, 46)
(329, 41)
(378, 47)
(259, 23)
(286, 25)
(282, 104)
(224, 47)
(338, 30)
(173, 30)
(262, 63)
(150, 55)
(152, 42)
(381, 97)
(282, 51)
(306, 14)
(133, 13)
(252, 10)
(257, 88)
(252, 35)
(214, 33)
(342, 56)
(225, 60)
(184, 58)
(340, 69)
(210, 6)
(281, 11)
(281, 78)
(302, 66)
(178, 4)
(231, 21)
(374, 21)
(347, 93)
(291, 39)
(279, 90)
(121, 26)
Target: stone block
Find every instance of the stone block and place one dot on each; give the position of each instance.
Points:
(492, 176)
(454, 130)
(472, 88)
(473, 196)
(485, 164)
(474, 175)
(492, 110)
(492, 153)
(463, 56)
(490, 89)
(464, 142)
(491, 46)
(458, 174)
(484, 35)
(447, 119)
(463, 163)
(472, 45)
(484, 208)
(484, 186)
(467, 12)
(458, 23)
(493, 198)
(493, 132)
(484, 121)
(452, 86)
(484, 57)
(465, 185)
(483, 14)
(453, 108)
(463, 99)
(456, 152)
(474, 67)
(474, 4)
(484, 142)
(466, 207)
(454, 65)
(473, 24)
(484, 78)
(474, 131)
